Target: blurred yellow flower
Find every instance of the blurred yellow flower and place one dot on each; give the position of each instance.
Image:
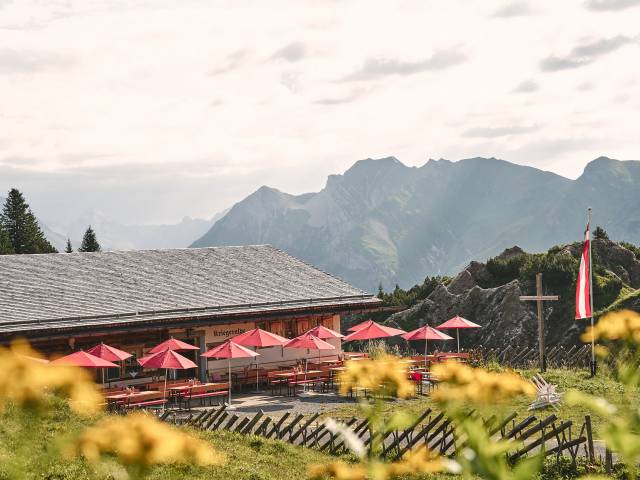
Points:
(620, 325)
(418, 461)
(461, 383)
(339, 471)
(386, 374)
(140, 439)
(26, 381)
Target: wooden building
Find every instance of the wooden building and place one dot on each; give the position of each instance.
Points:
(133, 300)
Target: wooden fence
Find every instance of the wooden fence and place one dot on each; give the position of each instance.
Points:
(432, 429)
(527, 357)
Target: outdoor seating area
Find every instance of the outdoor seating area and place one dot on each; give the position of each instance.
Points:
(319, 374)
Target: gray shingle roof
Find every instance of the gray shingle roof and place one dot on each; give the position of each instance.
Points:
(80, 289)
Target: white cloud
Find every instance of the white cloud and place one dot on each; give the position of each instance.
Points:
(181, 108)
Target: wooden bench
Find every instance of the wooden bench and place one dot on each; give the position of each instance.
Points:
(142, 401)
(208, 391)
(310, 378)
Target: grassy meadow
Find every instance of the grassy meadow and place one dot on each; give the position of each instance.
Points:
(603, 385)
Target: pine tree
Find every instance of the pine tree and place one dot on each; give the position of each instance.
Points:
(89, 242)
(600, 233)
(21, 226)
(5, 243)
(68, 248)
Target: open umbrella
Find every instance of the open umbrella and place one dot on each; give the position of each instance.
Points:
(306, 340)
(84, 359)
(229, 350)
(458, 323)
(107, 352)
(373, 330)
(167, 359)
(323, 332)
(426, 333)
(173, 344)
(259, 338)
(358, 326)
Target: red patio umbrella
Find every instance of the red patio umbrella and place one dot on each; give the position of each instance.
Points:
(83, 359)
(167, 359)
(457, 323)
(426, 333)
(306, 340)
(360, 325)
(107, 352)
(259, 338)
(173, 344)
(229, 350)
(324, 332)
(373, 330)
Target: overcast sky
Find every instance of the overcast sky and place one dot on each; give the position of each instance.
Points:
(149, 111)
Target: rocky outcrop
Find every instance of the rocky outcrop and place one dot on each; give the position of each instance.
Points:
(504, 318)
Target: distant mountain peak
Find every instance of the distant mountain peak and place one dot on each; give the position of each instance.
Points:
(374, 164)
(382, 221)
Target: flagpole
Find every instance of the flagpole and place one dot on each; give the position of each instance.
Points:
(593, 334)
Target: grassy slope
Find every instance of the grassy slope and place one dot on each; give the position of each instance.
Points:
(250, 458)
(602, 385)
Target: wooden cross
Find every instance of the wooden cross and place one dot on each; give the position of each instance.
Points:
(539, 298)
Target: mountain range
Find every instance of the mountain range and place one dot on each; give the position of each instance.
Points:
(382, 222)
(113, 235)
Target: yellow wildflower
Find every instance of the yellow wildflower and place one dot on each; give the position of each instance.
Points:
(25, 381)
(339, 471)
(461, 383)
(386, 374)
(140, 439)
(418, 461)
(620, 325)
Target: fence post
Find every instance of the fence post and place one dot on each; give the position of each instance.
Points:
(590, 449)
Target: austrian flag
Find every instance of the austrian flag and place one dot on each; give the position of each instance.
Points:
(583, 287)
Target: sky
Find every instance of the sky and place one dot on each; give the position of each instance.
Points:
(149, 111)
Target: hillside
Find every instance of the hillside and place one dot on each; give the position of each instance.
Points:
(487, 293)
(384, 222)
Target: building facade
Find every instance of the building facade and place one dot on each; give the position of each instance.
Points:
(134, 300)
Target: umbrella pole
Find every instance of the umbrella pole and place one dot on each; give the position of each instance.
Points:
(229, 362)
(458, 337)
(164, 394)
(257, 374)
(426, 342)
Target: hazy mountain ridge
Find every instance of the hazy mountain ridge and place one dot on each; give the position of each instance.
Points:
(382, 221)
(113, 235)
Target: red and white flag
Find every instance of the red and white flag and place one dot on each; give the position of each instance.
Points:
(583, 287)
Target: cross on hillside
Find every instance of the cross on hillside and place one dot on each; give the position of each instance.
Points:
(539, 298)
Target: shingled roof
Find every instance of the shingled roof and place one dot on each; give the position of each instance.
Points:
(58, 291)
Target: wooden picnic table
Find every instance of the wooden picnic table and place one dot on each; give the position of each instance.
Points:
(205, 386)
(291, 374)
(132, 395)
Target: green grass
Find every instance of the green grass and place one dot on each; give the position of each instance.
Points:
(603, 385)
(23, 435)
(33, 440)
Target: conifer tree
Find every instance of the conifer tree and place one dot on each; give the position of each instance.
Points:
(21, 226)
(89, 242)
(6, 248)
(68, 248)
